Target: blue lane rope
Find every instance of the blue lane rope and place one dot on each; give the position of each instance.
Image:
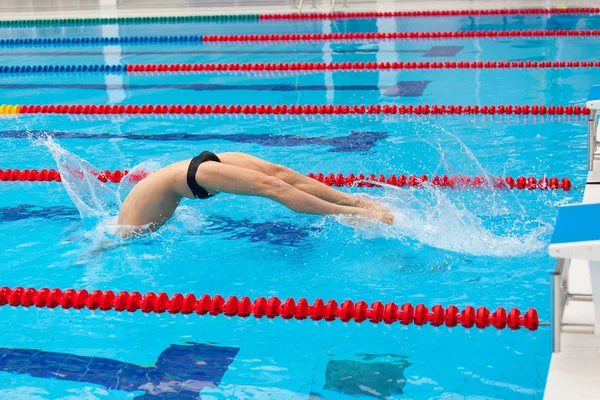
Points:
(24, 69)
(102, 40)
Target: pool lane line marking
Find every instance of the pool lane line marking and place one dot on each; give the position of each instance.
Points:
(399, 89)
(433, 51)
(354, 141)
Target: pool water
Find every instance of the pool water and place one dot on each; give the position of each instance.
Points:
(463, 247)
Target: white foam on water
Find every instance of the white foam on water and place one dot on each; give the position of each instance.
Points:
(433, 219)
(452, 219)
(429, 216)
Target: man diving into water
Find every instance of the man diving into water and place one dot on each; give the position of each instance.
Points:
(153, 200)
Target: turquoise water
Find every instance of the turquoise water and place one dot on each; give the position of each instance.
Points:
(450, 247)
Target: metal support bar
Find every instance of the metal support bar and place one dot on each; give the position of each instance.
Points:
(592, 126)
(332, 5)
(579, 297)
(576, 328)
(558, 300)
(300, 6)
(559, 297)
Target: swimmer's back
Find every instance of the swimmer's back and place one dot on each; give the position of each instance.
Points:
(153, 200)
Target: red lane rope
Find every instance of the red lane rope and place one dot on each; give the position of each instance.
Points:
(433, 13)
(371, 180)
(285, 37)
(459, 181)
(353, 66)
(521, 119)
(296, 109)
(360, 311)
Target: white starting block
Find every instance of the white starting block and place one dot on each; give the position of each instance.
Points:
(576, 238)
(593, 101)
(577, 232)
(593, 104)
(576, 244)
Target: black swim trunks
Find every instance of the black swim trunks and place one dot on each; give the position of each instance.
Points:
(197, 190)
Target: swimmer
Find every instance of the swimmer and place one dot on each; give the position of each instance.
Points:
(154, 199)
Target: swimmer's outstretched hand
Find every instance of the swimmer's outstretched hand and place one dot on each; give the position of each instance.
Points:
(376, 210)
(363, 202)
(366, 219)
(384, 216)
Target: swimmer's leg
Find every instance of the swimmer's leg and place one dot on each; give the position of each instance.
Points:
(296, 179)
(223, 177)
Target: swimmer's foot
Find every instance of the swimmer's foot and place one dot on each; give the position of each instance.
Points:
(387, 217)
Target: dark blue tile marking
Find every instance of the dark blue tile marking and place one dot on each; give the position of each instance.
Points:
(532, 58)
(214, 86)
(451, 51)
(407, 89)
(443, 51)
(532, 44)
(355, 141)
(26, 211)
(181, 371)
(566, 22)
(276, 233)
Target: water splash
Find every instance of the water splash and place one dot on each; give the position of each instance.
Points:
(94, 199)
(456, 157)
(483, 222)
(432, 217)
(97, 202)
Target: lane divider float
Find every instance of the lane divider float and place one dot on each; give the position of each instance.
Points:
(294, 37)
(431, 13)
(157, 19)
(453, 182)
(294, 109)
(101, 40)
(330, 179)
(520, 119)
(353, 66)
(377, 312)
(296, 16)
(284, 67)
(285, 37)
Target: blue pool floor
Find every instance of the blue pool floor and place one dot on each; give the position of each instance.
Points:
(480, 248)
